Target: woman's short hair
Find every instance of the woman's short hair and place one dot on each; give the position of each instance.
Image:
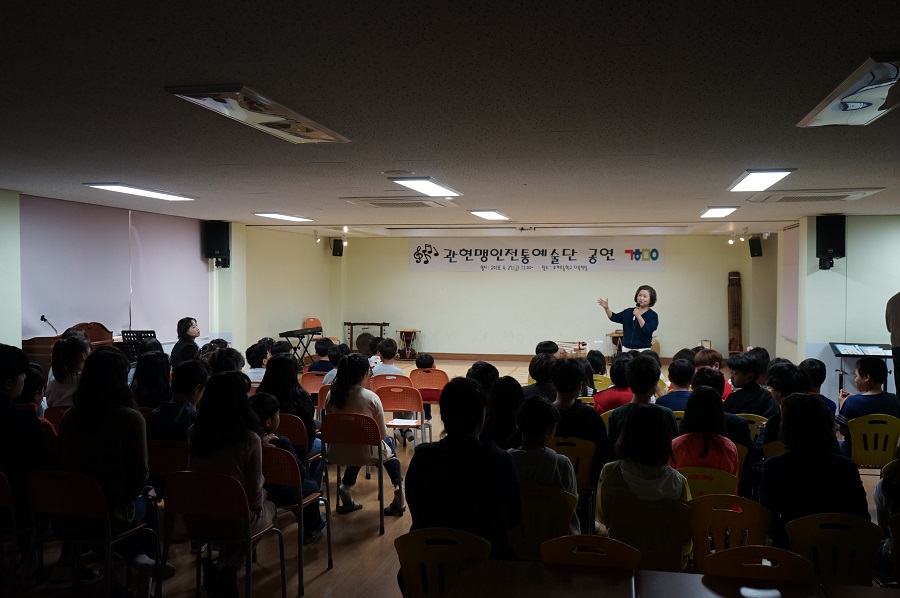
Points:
(807, 423)
(462, 405)
(184, 324)
(708, 358)
(649, 289)
(646, 436)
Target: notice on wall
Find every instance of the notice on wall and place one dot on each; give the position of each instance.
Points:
(543, 254)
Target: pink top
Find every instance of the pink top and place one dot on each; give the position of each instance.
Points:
(722, 453)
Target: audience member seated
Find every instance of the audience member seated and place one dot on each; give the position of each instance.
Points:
(784, 379)
(104, 437)
(748, 396)
(817, 373)
(485, 374)
(710, 358)
(504, 401)
(225, 359)
(539, 370)
(387, 352)
(349, 395)
(334, 356)
(146, 345)
(279, 347)
(151, 384)
(186, 348)
(211, 347)
(642, 373)
(281, 382)
(461, 482)
(887, 504)
(536, 463)
(374, 357)
(618, 394)
(702, 442)
(870, 378)
(33, 390)
(69, 355)
(172, 419)
(257, 357)
(224, 441)
(322, 364)
(811, 477)
(762, 357)
(547, 348)
(680, 373)
(597, 361)
(425, 361)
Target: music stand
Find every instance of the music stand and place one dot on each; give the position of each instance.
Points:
(857, 350)
(131, 342)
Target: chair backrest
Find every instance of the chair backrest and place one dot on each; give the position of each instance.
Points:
(312, 323)
(587, 400)
(707, 480)
(719, 522)
(602, 382)
(742, 452)
(546, 514)
(55, 414)
(429, 378)
(400, 398)
(661, 388)
(431, 559)
(280, 467)
(167, 456)
(840, 547)
(659, 529)
(323, 394)
(350, 428)
(389, 380)
(74, 502)
(679, 415)
(605, 417)
(874, 439)
(294, 428)
(49, 429)
(207, 497)
(312, 381)
(581, 454)
(753, 423)
(759, 562)
(774, 448)
(590, 551)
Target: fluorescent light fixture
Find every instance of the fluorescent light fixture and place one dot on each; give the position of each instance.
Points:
(253, 109)
(759, 180)
(120, 188)
(869, 93)
(717, 211)
(426, 185)
(489, 214)
(278, 216)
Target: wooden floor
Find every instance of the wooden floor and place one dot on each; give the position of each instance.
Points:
(365, 563)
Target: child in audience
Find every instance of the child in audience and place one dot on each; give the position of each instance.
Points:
(484, 373)
(811, 477)
(762, 358)
(281, 347)
(817, 373)
(748, 396)
(642, 373)
(322, 364)
(597, 361)
(186, 348)
(504, 400)
(151, 385)
(680, 373)
(536, 463)
(548, 348)
(870, 377)
(33, 389)
(540, 371)
(226, 359)
(387, 351)
(375, 359)
(257, 357)
(69, 355)
(702, 442)
(171, 420)
(146, 345)
(618, 394)
(587, 387)
(334, 356)
(784, 379)
(425, 361)
(712, 359)
(281, 381)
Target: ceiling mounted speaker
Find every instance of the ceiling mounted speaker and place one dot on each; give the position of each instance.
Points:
(755, 245)
(337, 247)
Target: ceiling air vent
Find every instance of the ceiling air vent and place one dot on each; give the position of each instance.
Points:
(400, 202)
(810, 195)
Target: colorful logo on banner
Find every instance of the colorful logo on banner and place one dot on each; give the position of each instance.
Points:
(546, 254)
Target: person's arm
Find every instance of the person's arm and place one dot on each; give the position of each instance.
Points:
(377, 412)
(253, 476)
(604, 303)
(649, 322)
(136, 473)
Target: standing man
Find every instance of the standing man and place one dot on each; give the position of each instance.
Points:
(892, 317)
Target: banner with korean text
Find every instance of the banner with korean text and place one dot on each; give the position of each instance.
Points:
(539, 254)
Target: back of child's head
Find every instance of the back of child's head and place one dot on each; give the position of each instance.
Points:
(707, 376)
(708, 358)
(334, 355)
(588, 374)
(373, 345)
(704, 412)
(149, 343)
(13, 363)
(539, 367)
(33, 390)
(618, 371)
(762, 357)
(646, 436)
(257, 355)
(775, 362)
(566, 374)
(684, 354)
(187, 376)
(652, 355)
(226, 360)
(642, 374)
(424, 361)
(874, 367)
(744, 363)
(816, 371)
(267, 341)
(387, 349)
(680, 372)
(597, 361)
(264, 406)
(483, 373)
(785, 378)
(548, 347)
(68, 356)
(280, 347)
(535, 416)
(462, 406)
(322, 346)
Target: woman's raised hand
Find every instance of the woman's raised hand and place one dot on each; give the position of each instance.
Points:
(604, 303)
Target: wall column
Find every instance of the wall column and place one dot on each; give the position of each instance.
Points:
(10, 269)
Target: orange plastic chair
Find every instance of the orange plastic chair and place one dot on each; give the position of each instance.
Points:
(429, 378)
(76, 506)
(166, 456)
(381, 380)
(590, 551)
(841, 547)
(403, 398)
(432, 559)
(312, 381)
(55, 414)
(49, 429)
(353, 428)
(221, 503)
(323, 395)
(280, 467)
(760, 562)
(719, 522)
(707, 480)
(294, 428)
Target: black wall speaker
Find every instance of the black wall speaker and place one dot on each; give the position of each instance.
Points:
(216, 239)
(337, 247)
(830, 236)
(755, 245)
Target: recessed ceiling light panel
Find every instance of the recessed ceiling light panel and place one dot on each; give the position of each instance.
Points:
(426, 185)
(759, 180)
(869, 93)
(278, 216)
(489, 214)
(120, 188)
(250, 108)
(717, 211)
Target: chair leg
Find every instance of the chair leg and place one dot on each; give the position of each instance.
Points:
(283, 572)
(248, 587)
(381, 495)
(76, 564)
(299, 550)
(328, 530)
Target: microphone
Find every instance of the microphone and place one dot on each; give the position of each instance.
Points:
(44, 319)
(637, 306)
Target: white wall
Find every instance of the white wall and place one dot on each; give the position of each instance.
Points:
(10, 270)
(471, 312)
